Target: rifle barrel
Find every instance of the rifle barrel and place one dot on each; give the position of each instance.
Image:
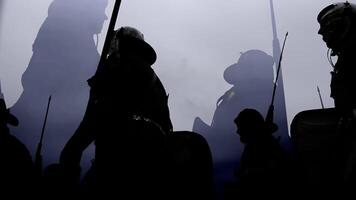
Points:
(39, 147)
(45, 120)
(109, 34)
(279, 67)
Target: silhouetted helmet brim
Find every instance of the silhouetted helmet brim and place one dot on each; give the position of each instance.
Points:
(130, 41)
(253, 119)
(230, 74)
(251, 63)
(140, 47)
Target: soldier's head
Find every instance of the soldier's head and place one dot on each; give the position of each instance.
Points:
(87, 16)
(251, 126)
(338, 26)
(130, 41)
(253, 65)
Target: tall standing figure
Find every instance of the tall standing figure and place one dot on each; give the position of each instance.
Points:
(127, 117)
(64, 56)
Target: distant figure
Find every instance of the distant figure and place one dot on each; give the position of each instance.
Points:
(265, 167)
(64, 56)
(16, 168)
(326, 139)
(252, 80)
(127, 117)
(252, 84)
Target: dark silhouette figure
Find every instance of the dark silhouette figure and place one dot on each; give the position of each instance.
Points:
(252, 81)
(137, 152)
(16, 169)
(265, 167)
(64, 57)
(325, 138)
(127, 117)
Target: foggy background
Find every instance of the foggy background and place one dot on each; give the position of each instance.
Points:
(195, 42)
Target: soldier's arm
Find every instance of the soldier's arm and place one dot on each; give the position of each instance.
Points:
(82, 138)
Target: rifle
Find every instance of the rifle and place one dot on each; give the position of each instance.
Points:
(104, 54)
(269, 117)
(109, 35)
(38, 158)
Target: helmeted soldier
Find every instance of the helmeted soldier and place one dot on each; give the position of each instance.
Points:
(325, 138)
(127, 115)
(338, 29)
(264, 165)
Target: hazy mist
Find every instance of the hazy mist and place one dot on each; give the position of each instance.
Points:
(195, 41)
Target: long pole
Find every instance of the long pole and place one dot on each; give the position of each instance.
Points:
(38, 159)
(109, 34)
(269, 116)
(279, 67)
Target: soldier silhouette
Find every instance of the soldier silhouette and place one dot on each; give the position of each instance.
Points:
(331, 132)
(64, 56)
(265, 167)
(16, 169)
(127, 117)
(252, 85)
